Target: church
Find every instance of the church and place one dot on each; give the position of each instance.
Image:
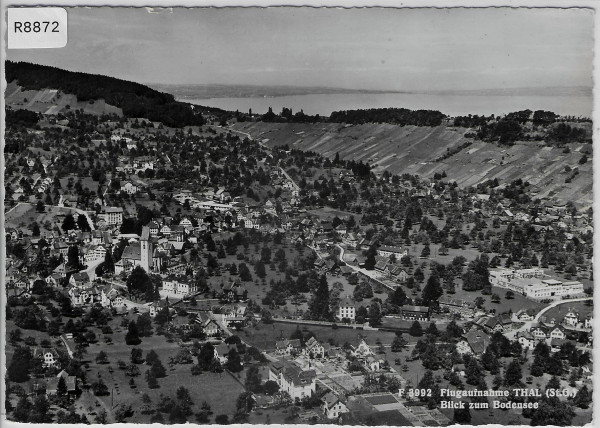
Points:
(139, 254)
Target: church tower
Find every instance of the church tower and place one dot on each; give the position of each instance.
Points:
(145, 249)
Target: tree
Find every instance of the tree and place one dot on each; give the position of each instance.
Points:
(583, 398)
(138, 281)
(102, 357)
(513, 374)
(473, 372)
(270, 387)
(253, 380)
(462, 415)
(18, 369)
(509, 295)
(319, 306)
(374, 315)
(234, 362)
(361, 315)
(151, 379)
(82, 223)
(397, 297)
(40, 208)
(556, 413)
(222, 420)
(398, 343)
(68, 223)
(136, 356)
(132, 337)
(415, 329)
(426, 251)
(61, 388)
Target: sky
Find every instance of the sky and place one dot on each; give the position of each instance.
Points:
(378, 49)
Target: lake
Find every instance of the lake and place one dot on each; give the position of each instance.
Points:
(452, 105)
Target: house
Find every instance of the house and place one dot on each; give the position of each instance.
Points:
(372, 364)
(129, 188)
(70, 382)
(526, 339)
(571, 318)
(524, 315)
(346, 309)
(387, 251)
(333, 405)
(209, 325)
(360, 349)
(589, 321)
(111, 215)
(314, 349)
(473, 343)
(110, 297)
(539, 332)
(288, 347)
(221, 351)
(457, 306)
(177, 286)
(296, 382)
(49, 357)
(558, 333)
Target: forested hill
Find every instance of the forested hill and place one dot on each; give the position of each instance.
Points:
(134, 99)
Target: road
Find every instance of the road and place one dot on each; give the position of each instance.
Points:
(528, 324)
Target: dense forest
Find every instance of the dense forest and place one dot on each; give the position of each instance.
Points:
(397, 116)
(134, 99)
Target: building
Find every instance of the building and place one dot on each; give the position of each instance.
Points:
(333, 406)
(296, 382)
(173, 285)
(416, 313)
(346, 309)
(49, 357)
(113, 216)
(534, 284)
(387, 251)
(473, 343)
(288, 347)
(314, 349)
(457, 306)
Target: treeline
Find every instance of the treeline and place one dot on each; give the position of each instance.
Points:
(134, 99)
(21, 118)
(287, 115)
(396, 116)
(524, 125)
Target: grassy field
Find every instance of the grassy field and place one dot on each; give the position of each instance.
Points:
(264, 336)
(558, 312)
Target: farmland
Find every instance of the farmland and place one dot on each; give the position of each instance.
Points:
(417, 150)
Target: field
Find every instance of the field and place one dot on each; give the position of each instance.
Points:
(414, 150)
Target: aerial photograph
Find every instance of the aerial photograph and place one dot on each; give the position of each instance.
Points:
(300, 215)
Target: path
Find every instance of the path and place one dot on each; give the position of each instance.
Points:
(528, 324)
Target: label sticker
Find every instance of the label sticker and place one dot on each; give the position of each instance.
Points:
(37, 27)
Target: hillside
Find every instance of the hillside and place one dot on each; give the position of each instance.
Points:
(419, 150)
(53, 101)
(133, 99)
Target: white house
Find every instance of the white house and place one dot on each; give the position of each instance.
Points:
(291, 379)
(333, 406)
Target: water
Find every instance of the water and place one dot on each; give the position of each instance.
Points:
(452, 105)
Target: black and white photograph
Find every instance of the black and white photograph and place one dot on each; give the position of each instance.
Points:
(371, 216)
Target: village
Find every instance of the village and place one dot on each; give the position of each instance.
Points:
(309, 290)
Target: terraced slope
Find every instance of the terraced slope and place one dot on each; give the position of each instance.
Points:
(416, 150)
(52, 101)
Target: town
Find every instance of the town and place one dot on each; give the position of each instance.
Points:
(164, 274)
